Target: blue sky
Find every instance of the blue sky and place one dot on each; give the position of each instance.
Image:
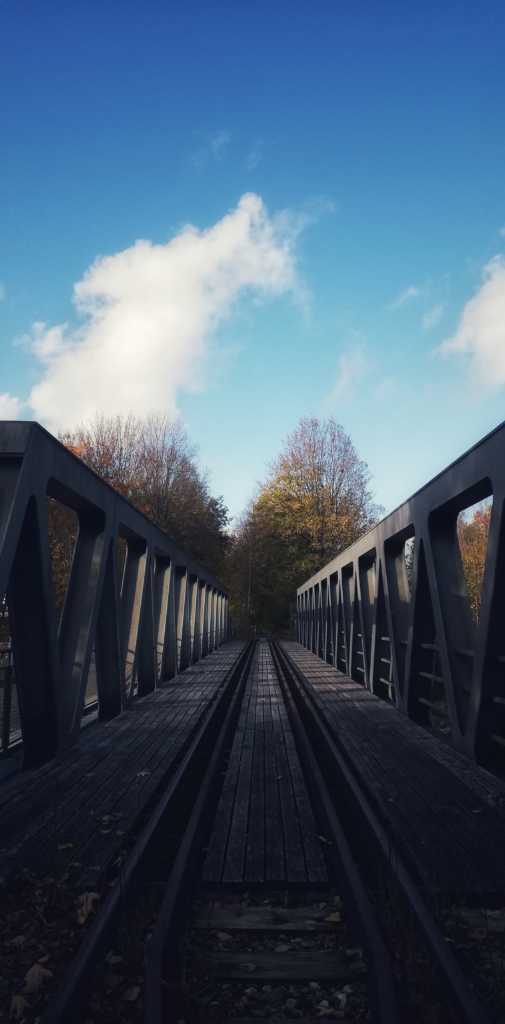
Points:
(365, 279)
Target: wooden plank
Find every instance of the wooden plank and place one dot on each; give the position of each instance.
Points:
(293, 847)
(306, 965)
(255, 851)
(266, 919)
(446, 814)
(214, 861)
(314, 857)
(275, 869)
(116, 771)
(237, 840)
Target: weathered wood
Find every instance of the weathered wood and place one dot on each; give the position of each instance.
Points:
(270, 966)
(445, 813)
(265, 828)
(267, 919)
(81, 809)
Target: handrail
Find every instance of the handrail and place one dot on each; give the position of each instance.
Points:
(164, 593)
(404, 627)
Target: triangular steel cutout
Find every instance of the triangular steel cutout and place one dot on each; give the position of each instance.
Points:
(383, 682)
(31, 631)
(107, 653)
(427, 698)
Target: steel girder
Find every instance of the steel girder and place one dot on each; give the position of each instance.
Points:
(166, 612)
(401, 632)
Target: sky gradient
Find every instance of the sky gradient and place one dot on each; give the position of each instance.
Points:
(342, 166)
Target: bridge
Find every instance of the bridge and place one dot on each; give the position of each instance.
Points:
(201, 826)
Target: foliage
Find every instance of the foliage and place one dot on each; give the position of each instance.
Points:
(315, 502)
(153, 463)
(472, 536)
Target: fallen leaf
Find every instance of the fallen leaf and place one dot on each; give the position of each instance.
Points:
(333, 917)
(324, 840)
(223, 936)
(87, 901)
(36, 977)
(65, 846)
(17, 1007)
(132, 993)
(113, 958)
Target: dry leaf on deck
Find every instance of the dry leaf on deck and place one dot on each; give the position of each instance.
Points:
(87, 901)
(36, 977)
(132, 993)
(17, 1007)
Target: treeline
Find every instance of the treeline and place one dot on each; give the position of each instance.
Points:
(315, 501)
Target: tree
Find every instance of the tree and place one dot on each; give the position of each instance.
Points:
(153, 464)
(473, 536)
(315, 502)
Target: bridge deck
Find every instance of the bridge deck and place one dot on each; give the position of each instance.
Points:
(264, 829)
(446, 814)
(71, 819)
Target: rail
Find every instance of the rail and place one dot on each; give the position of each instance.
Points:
(135, 623)
(392, 610)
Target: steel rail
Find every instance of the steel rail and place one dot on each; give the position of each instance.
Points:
(68, 1004)
(162, 996)
(330, 754)
(162, 974)
(381, 979)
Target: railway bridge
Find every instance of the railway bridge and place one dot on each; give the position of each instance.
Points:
(198, 826)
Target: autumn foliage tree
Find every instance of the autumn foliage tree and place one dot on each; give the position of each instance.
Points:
(315, 502)
(153, 464)
(473, 533)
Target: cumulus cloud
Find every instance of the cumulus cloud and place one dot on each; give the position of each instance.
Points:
(10, 407)
(148, 315)
(412, 292)
(433, 316)
(480, 334)
(352, 366)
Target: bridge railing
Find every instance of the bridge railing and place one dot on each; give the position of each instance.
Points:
(136, 622)
(392, 610)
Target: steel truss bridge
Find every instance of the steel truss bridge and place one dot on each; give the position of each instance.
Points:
(202, 827)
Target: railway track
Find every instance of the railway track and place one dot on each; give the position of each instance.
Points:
(360, 944)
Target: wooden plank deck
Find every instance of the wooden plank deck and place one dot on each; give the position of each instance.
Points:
(79, 812)
(446, 814)
(264, 829)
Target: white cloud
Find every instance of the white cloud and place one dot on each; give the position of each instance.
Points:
(412, 292)
(10, 407)
(211, 149)
(352, 366)
(254, 155)
(481, 330)
(219, 142)
(433, 316)
(149, 314)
